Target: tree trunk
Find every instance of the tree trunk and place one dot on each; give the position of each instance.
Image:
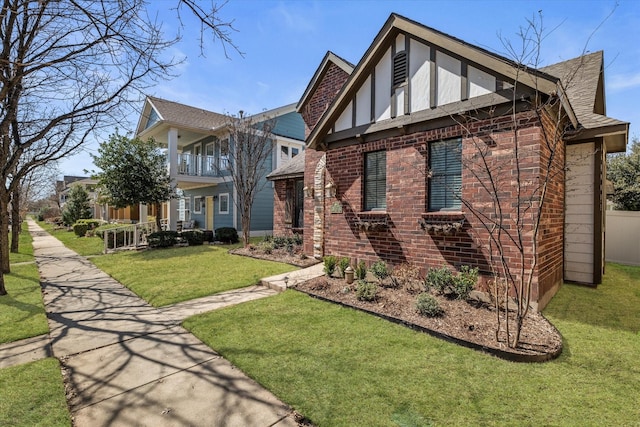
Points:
(246, 225)
(16, 221)
(158, 216)
(4, 230)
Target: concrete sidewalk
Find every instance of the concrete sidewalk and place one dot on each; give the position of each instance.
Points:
(128, 363)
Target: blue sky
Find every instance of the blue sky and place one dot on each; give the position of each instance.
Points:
(284, 41)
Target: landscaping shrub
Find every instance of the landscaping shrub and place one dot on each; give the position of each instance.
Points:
(457, 286)
(207, 235)
(379, 270)
(193, 237)
(406, 276)
(465, 281)
(162, 239)
(360, 272)
(439, 279)
(266, 246)
(343, 263)
(280, 241)
(297, 239)
(366, 291)
(80, 229)
(329, 264)
(427, 305)
(227, 235)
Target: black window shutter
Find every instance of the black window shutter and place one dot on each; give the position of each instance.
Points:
(375, 181)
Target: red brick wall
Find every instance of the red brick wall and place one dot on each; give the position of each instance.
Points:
(280, 197)
(330, 84)
(404, 240)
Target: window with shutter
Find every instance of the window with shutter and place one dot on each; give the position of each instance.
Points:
(445, 163)
(375, 181)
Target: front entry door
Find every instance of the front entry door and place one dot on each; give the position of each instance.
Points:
(209, 212)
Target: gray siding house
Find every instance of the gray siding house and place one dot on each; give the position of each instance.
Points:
(198, 148)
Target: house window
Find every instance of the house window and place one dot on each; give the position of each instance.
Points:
(294, 204)
(197, 204)
(400, 69)
(375, 181)
(223, 206)
(224, 154)
(445, 162)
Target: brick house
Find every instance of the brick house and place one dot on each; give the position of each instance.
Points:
(418, 152)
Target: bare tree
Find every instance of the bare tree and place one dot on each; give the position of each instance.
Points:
(515, 191)
(35, 185)
(249, 153)
(69, 70)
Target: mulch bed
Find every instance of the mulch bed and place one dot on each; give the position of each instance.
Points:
(279, 255)
(471, 324)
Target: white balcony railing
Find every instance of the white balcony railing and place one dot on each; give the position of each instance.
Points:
(199, 165)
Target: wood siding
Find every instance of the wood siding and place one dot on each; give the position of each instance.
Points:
(579, 214)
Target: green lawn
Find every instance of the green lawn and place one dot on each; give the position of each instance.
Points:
(84, 246)
(22, 312)
(168, 276)
(33, 395)
(341, 367)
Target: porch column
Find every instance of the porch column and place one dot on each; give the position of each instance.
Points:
(172, 154)
(143, 213)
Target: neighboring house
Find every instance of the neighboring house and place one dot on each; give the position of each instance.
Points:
(89, 185)
(198, 150)
(408, 111)
(102, 211)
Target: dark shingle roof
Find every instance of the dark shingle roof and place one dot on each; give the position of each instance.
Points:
(184, 115)
(292, 169)
(580, 77)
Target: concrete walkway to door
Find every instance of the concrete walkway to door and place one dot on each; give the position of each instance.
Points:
(129, 364)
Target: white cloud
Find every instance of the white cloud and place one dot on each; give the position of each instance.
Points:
(623, 81)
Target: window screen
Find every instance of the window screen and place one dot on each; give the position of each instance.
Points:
(375, 181)
(445, 162)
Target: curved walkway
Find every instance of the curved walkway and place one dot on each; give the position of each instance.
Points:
(128, 363)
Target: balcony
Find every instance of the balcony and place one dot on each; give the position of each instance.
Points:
(203, 166)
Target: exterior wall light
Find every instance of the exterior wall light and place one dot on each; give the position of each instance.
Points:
(330, 190)
(308, 192)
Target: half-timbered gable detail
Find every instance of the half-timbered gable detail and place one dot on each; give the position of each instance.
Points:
(388, 167)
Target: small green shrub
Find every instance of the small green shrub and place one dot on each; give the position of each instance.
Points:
(266, 246)
(80, 229)
(343, 263)
(297, 239)
(280, 241)
(366, 291)
(465, 281)
(193, 237)
(427, 305)
(162, 239)
(227, 235)
(361, 271)
(379, 270)
(457, 286)
(439, 279)
(329, 264)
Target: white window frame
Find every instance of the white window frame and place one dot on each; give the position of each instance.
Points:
(220, 196)
(197, 204)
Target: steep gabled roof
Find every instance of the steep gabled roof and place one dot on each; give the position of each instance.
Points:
(183, 115)
(292, 169)
(329, 58)
(583, 80)
(396, 24)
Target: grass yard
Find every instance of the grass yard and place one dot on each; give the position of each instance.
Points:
(168, 276)
(341, 367)
(33, 395)
(22, 312)
(85, 246)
